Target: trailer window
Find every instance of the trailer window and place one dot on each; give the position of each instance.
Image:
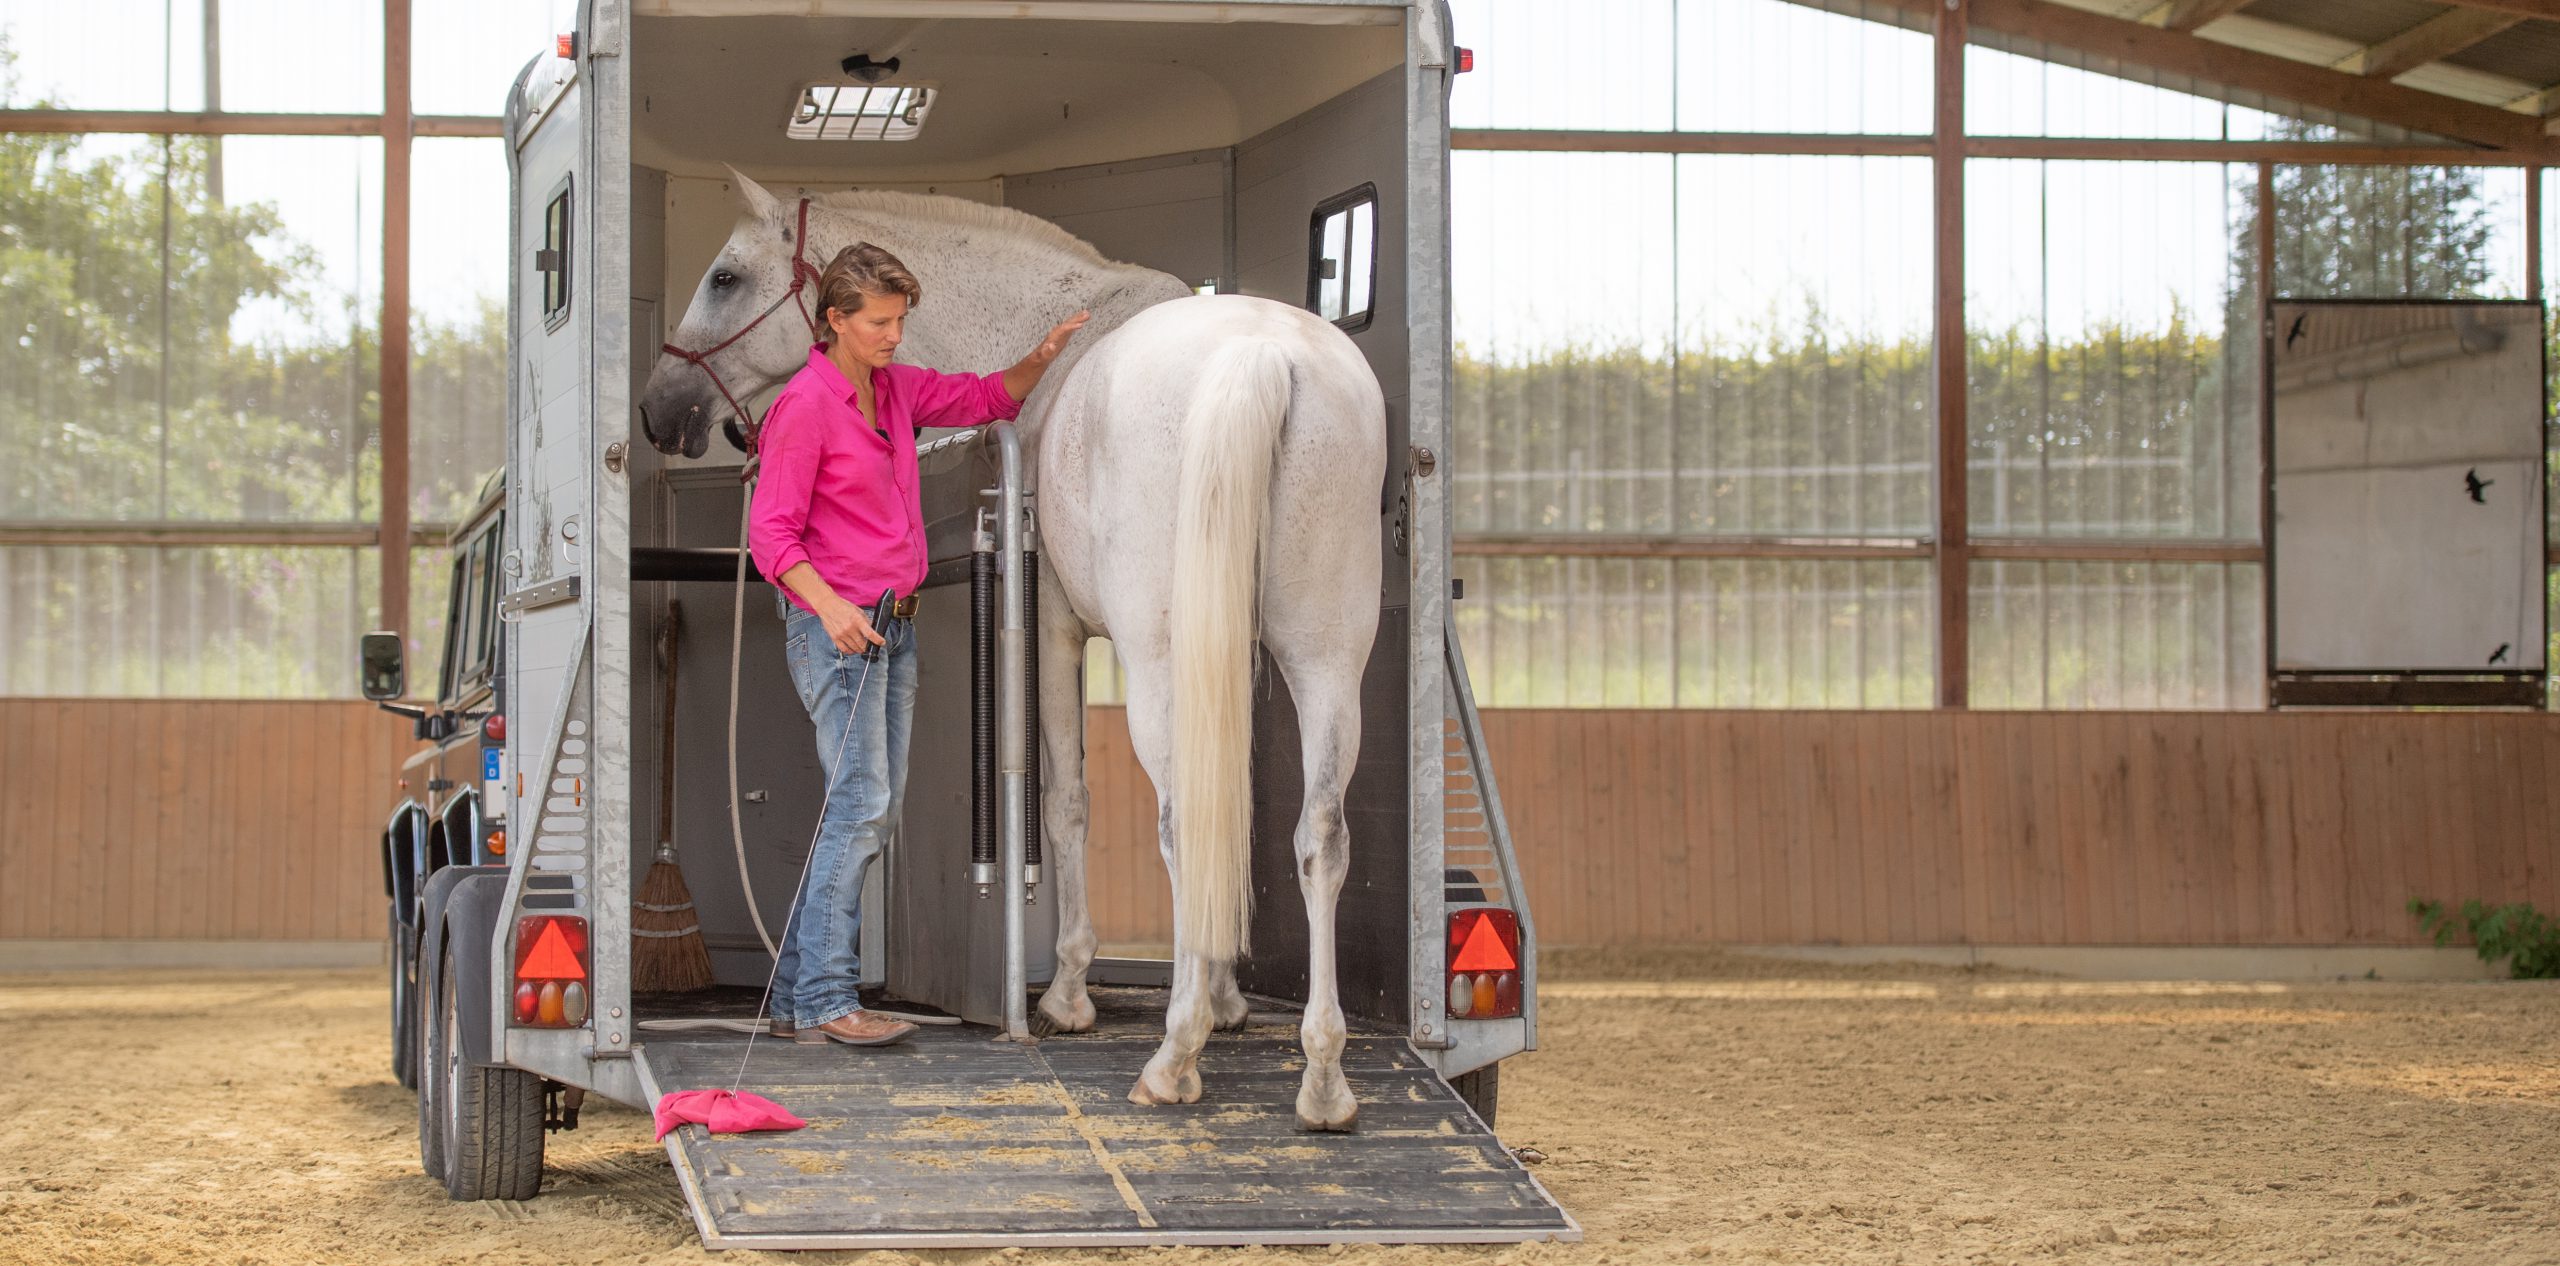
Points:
(552, 261)
(860, 112)
(1342, 258)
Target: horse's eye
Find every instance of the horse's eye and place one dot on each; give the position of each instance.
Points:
(724, 279)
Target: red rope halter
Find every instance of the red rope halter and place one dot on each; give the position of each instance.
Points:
(802, 273)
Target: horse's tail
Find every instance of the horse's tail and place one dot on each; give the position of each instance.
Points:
(1229, 436)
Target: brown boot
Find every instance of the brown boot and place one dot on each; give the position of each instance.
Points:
(863, 1028)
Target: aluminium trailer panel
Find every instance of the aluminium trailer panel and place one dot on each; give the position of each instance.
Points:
(565, 573)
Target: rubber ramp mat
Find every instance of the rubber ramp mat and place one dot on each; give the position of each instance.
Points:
(955, 1139)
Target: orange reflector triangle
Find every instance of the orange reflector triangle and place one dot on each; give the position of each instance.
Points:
(1484, 951)
(551, 959)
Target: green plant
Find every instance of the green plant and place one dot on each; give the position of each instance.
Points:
(2517, 932)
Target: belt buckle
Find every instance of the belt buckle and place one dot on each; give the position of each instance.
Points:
(906, 608)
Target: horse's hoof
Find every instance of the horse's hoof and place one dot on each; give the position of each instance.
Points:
(1347, 1123)
(1243, 1020)
(1078, 1018)
(1330, 1110)
(1151, 1093)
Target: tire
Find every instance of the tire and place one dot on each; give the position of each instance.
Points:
(404, 1006)
(492, 1117)
(432, 1077)
(1482, 1089)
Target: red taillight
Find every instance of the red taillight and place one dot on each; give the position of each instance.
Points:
(551, 970)
(1484, 964)
(565, 45)
(1466, 60)
(493, 727)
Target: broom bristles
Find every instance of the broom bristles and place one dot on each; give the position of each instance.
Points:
(667, 955)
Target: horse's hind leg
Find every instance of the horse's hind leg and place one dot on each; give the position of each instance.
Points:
(1173, 1075)
(1329, 721)
(1227, 1006)
(1065, 1008)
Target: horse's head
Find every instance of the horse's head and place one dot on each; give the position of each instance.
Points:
(741, 334)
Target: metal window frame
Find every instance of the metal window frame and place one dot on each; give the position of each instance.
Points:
(1343, 204)
(1950, 548)
(559, 215)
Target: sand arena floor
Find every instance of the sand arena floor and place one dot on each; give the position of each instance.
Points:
(1691, 1107)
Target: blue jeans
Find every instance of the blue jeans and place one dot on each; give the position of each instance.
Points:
(819, 973)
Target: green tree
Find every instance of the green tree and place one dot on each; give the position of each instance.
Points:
(126, 397)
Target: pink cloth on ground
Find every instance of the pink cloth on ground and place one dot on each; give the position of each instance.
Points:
(723, 1112)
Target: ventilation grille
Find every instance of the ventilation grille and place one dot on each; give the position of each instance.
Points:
(1473, 871)
(860, 112)
(558, 876)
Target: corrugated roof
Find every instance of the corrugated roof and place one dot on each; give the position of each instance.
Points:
(2508, 69)
(2265, 37)
(2498, 70)
(2359, 22)
(2528, 52)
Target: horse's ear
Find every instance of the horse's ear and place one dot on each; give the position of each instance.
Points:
(760, 204)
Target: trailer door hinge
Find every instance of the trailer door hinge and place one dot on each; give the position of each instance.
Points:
(531, 597)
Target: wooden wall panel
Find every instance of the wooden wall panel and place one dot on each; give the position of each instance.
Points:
(259, 820)
(194, 819)
(1933, 828)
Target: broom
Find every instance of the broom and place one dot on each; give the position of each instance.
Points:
(667, 955)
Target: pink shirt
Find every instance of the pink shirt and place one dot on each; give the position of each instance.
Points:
(841, 496)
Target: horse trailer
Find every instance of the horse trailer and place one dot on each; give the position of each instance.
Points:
(1291, 149)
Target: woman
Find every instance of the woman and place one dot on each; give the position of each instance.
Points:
(837, 521)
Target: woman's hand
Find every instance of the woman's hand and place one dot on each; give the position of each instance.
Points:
(848, 627)
(1056, 341)
(1025, 374)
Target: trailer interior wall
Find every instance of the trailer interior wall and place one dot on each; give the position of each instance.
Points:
(1199, 149)
(1283, 175)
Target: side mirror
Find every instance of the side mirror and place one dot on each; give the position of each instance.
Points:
(384, 666)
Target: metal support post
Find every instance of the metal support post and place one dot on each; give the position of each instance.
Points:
(1011, 749)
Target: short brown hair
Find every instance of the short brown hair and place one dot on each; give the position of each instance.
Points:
(864, 269)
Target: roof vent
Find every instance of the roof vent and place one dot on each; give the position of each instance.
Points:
(860, 112)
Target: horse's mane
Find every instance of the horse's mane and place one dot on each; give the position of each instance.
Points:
(961, 213)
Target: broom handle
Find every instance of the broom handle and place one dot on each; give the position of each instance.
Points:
(667, 732)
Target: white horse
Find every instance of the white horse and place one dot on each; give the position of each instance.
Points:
(1262, 422)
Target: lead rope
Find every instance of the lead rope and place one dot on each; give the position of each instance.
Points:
(851, 714)
(737, 650)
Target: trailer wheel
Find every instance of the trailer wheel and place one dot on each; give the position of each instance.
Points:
(1482, 1089)
(491, 1117)
(404, 1008)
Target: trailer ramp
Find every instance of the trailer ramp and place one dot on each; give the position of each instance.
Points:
(958, 1139)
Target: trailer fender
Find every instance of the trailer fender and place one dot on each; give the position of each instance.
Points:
(404, 839)
(465, 836)
(462, 906)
